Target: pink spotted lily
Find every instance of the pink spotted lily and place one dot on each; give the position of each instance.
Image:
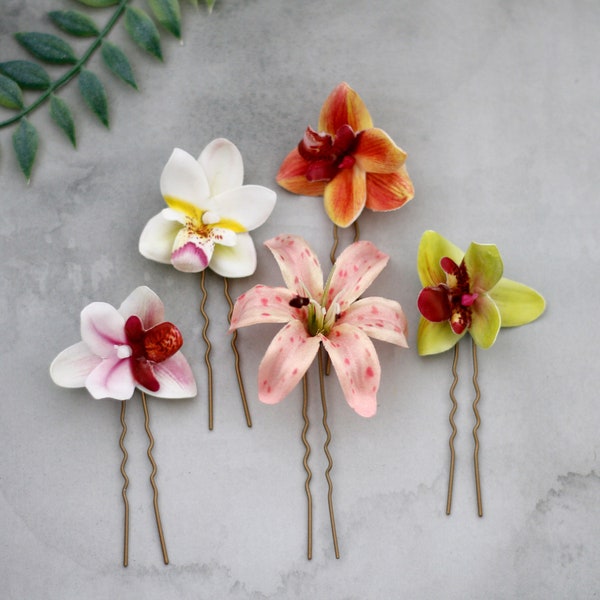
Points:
(349, 162)
(329, 314)
(466, 292)
(125, 348)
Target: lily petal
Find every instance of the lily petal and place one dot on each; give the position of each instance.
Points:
(262, 304)
(184, 179)
(223, 165)
(158, 237)
(72, 366)
(379, 318)
(344, 107)
(485, 321)
(292, 176)
(376, 152)
(286, 360)
(145, 304)
(484, 265)
(102, 328)
(356, 364)
(299, 266)
(175, 377)
(248, 206)
(389, 191)
(433, 338)
(235, 261)
(112, 378)
(432, 248)
(355, 270)
(518, 303)
(345, 196)
(191, 253)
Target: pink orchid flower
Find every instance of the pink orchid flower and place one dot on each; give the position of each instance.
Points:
(327, 314)
(349, 162)
(125, 348)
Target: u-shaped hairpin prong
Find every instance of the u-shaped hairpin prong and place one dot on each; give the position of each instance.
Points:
(125, 486)
(476, 429)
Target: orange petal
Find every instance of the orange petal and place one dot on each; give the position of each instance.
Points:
(389, 191)
(345, 196)
(377, 153)
(292, 176)
(344, 107)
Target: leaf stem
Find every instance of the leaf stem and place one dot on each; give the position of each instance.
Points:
(73, 71)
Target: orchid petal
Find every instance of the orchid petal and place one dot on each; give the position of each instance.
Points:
(262, 304)
(345, 196)
(344, 107)
(299, 266)
(145, 304)
(191, 253)
(434, 304)
(158, 237)
(433, 338)
(355, 270)
(184, 179)
(248, 206)
(72, 366)
(235, 261)
(112, 378)
(389, 191)
(175, 377)
(376, 152)
(292, 176)
(356, 364)
(485, 321)
(223, 165)
(286, 360)
(432, 248)
(484, 266)
(223, 236)
(518, 303)
(102, 328)
(379, 318)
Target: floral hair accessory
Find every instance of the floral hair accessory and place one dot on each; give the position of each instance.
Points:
(321, 315)
(121, 349)
(466, 292)
(206, 223)
(349, 162)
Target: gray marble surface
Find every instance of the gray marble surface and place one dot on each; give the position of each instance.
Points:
(496, 104)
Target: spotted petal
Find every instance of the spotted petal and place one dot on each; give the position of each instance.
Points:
(345, 196)
(433, 338)
(112, 378)
(72, 366)
(102, 328)
(292, 176)
(484, 266)
(145, 304)
(376, 152)
(183, 178)
(518, 304)
(344, 107)
(191, 253)
(262, 304)
(223, 165)
(389, 191)
(432, 248)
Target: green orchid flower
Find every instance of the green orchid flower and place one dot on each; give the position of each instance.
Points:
(465, 291)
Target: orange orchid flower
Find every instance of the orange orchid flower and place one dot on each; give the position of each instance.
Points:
(348, 161)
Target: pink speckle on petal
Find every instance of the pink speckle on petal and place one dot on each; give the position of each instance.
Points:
(347, 360)
(264, 301)
(370, 372)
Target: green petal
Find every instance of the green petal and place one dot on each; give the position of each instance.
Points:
(485, 321)
(484, 266)
(433, 338)
(432, 248)
(518, 304)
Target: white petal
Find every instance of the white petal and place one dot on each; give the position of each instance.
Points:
(102, 328)
(235, 261)
(112, 378)
(72, 366)
(249, 205)
(224, 237)
(184, 178)
(175, 378)
(158, 236)
(222, 162)
(144, 303)
(191, 253)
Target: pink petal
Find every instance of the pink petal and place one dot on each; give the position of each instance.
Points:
(102, 328)
(355, 270)
(287, 359)
(175, 378)
(191, 253)
(263, 304)
(356, 365)
(112, 378)
(299, 266)
(72, 366)
(144, 303)
(379, 318)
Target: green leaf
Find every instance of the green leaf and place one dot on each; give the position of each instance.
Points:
(118, 63)
(28, 75)
(143, 31)
(11, 95)
(62, 116)
(99, 3)
(74, 22)
(25, 144)
(93, 93)
(47, 47)
(210, 4)
(168, 14)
